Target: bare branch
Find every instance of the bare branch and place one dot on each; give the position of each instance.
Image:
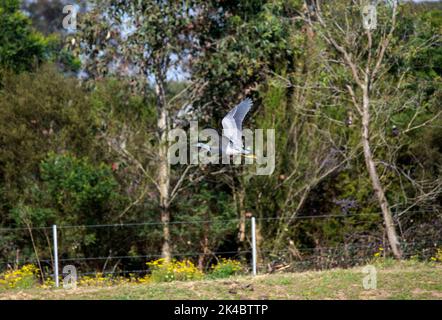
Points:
(178, 184)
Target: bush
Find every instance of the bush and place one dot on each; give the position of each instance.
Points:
(438, 256)
(226, 268)
(75, 183)
(164, 271)
(24, 278)
(101, 280)
(20, 45)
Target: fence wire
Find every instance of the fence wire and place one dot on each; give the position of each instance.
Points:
(309, 257)
(157, 223)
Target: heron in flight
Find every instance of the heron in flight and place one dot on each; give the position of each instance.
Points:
(231, 140)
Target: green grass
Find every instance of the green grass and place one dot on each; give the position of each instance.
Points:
(404, 280)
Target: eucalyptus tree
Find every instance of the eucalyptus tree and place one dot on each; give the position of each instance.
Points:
(144, 41)
(240, 43)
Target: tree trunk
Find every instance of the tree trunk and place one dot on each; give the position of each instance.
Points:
(242, 218)
(259, 242)
(204, 243)
(374, 177)
(163, 164)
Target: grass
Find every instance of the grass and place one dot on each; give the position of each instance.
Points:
(398, 280)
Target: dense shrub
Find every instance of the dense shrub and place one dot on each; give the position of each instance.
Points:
(23, 278)
(226, 268)
(166, 271)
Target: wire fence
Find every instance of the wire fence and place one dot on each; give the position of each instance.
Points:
(153, 223)
(267, 259)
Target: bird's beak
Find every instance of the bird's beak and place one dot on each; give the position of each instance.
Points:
(250, 156)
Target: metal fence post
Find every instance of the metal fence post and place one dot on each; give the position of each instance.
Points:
(54, 236)
(253, 246)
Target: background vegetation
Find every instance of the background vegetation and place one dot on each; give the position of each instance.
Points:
(83, 117)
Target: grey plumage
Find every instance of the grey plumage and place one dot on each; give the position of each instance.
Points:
(232, 122)
(231, 140)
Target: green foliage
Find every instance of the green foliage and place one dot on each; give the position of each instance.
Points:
(226, 268)
(241, 44)
(167, 271)
(201, 205)
(40, 112)
(32, 216)
(157, 30)
(21, 48)
(25, 277)
(76, 186)
(71, 153)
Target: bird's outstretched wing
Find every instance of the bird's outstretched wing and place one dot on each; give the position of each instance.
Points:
(232, 122)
